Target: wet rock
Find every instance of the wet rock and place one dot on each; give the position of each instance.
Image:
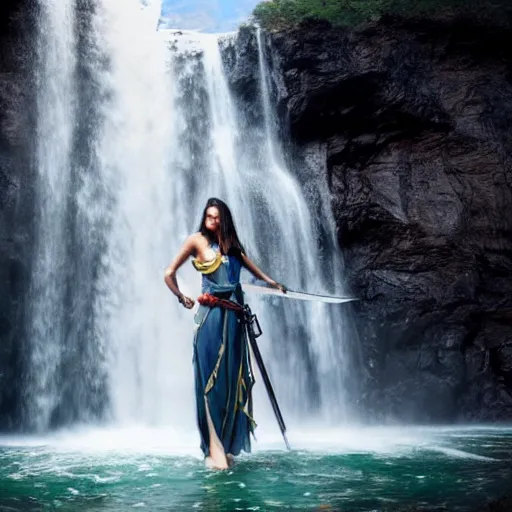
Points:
(240, 59)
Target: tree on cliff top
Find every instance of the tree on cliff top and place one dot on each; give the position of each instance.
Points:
(280, 14)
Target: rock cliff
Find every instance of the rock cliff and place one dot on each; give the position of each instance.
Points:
(414, 121)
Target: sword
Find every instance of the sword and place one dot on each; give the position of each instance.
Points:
(292, 294)
(253, 331)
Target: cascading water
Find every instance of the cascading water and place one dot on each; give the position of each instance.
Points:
(166, 136)
(139, 323)
(56, 99)
(321, 272)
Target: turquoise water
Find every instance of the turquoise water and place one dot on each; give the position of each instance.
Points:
(359, 469)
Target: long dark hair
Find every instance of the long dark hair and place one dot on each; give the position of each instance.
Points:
(229, 243)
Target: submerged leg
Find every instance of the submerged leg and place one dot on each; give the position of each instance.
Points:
(217, 458)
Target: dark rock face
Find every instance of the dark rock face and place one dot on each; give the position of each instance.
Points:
(240, 59)
(16, 193)
(415, 119)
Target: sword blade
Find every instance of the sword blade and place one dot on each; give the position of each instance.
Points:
(292, 294)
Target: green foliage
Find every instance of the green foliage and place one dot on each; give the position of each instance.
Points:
(283, 13)
(279, 14)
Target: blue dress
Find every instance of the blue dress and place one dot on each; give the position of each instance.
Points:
(222, 366)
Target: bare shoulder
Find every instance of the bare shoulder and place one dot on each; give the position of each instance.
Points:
(196, 241)
(193, 239)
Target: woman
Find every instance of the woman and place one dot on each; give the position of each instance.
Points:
(223, 373)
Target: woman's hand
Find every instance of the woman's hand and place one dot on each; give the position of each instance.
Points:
(279, 286)
(186, 302)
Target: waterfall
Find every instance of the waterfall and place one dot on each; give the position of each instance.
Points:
(324, 328)
(162, 135)
(147, 338)
(55, 101)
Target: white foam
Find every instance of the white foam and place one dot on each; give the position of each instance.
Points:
(167, 441)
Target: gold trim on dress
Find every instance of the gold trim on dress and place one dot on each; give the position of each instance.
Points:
(213, 376)
(240, 405)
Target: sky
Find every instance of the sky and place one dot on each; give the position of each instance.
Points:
(205, 15)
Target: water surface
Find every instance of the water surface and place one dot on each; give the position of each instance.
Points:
(356, 469)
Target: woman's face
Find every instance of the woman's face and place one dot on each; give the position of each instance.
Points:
(212, 221)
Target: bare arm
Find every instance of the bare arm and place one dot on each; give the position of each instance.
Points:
(187, 250)
(259, 274)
